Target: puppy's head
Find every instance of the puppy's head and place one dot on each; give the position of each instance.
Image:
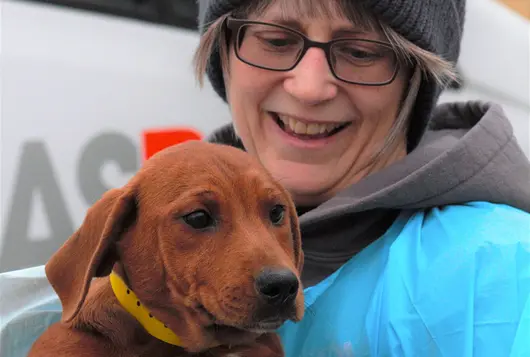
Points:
(204, 236)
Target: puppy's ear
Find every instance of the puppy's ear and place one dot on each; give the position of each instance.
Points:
(90, 251)
(297, 237)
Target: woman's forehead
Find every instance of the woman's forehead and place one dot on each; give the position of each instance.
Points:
(303, 11)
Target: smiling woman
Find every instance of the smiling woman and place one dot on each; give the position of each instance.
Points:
(351, 131)
(416, 258)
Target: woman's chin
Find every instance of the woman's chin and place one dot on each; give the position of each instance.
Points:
(309, 184)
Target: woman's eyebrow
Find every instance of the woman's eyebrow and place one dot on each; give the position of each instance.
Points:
(295, 24)
(348, 31)
(286, 21)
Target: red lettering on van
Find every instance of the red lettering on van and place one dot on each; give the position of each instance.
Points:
(155, 140)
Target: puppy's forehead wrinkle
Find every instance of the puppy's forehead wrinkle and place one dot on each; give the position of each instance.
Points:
(261, 183)
(194, 172)
(200, 153)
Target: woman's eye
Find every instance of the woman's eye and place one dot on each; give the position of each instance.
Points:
(360, 54)
(199, 219)
(277, 40)
(280, 42)
(277, 214)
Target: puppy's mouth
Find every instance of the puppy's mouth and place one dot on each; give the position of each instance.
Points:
(258, 327)
(307, 131)
(264, 326)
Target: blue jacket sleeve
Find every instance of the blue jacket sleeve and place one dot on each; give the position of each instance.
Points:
(465, 282)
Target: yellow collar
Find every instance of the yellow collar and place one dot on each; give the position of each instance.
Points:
(130, 302)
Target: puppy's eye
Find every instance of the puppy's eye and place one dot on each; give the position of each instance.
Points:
(276, 214)
(199, 219)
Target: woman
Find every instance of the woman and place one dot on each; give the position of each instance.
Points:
(415, 218)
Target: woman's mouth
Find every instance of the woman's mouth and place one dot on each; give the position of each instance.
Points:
(305, 131)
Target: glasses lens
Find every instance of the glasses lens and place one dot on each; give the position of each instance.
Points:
(268, 46)
(363, 61)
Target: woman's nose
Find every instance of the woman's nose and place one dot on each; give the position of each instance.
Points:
(311, 80)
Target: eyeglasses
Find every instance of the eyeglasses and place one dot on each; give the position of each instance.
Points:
(279, 48)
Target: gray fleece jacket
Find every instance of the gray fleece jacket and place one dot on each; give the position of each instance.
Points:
(469, 153)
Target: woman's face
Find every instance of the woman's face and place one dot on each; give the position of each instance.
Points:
(290, 120)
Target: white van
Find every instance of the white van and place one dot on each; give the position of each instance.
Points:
(86, 83)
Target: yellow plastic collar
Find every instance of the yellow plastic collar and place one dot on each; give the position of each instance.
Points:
(132, 305)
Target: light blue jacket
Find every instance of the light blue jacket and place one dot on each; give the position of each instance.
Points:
(451, 281)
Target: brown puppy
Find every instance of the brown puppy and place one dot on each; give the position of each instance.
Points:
(199, 252)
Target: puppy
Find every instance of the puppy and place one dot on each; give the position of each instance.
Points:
(199, 253)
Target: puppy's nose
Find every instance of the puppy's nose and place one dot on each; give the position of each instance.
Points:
(277, 286)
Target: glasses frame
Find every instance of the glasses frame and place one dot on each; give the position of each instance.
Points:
(235, 25)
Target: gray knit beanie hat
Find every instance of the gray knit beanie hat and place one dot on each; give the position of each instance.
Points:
(434, 25)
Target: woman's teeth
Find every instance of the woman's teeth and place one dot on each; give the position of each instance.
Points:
(313, 129)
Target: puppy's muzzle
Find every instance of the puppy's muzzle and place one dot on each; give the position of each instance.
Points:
(277, 287)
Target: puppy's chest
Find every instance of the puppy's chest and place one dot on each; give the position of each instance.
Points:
(160, 349)
(173, 352)
(151, 351)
